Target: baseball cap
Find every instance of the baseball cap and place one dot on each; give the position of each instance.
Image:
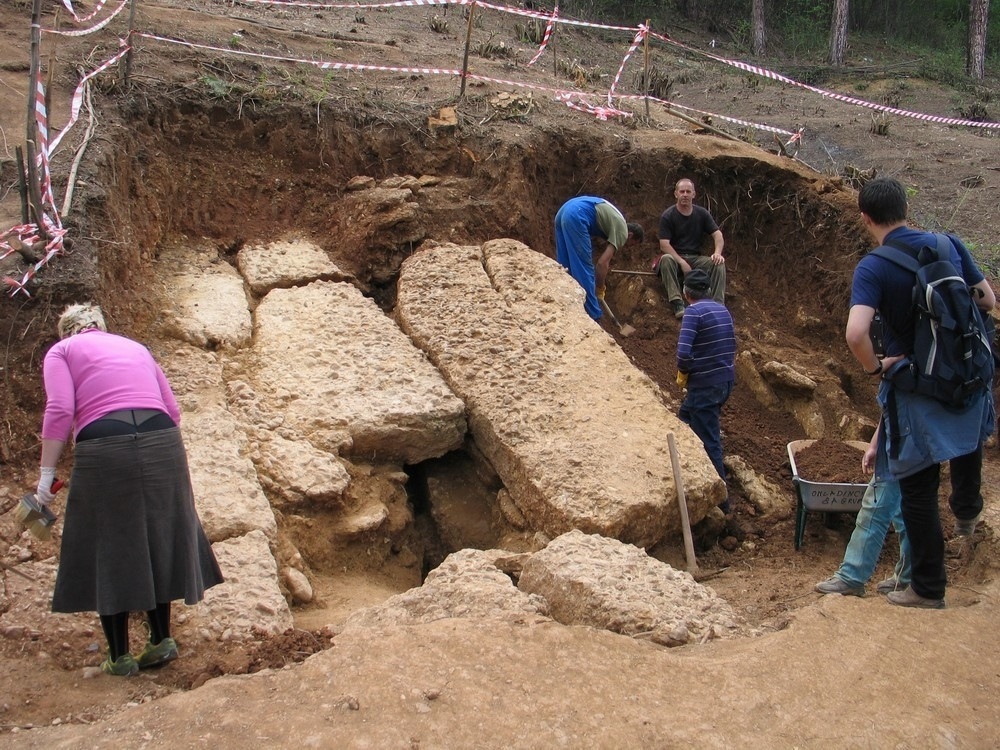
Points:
(697, 280)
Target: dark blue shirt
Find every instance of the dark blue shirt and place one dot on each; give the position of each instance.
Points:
(887, 287)
(706, 347)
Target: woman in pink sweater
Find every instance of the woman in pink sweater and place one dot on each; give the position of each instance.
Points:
(132, 540)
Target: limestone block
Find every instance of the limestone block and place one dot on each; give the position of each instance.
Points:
(748, 375)
(298, 585)
(227, 494)
(786, 377)
(285, 263)
(204, 300)
(574, 430)
(855, 426)
(467, 584)
(327, 362)
(808, 414)
(592, 580)
(298, 471)
(195, 377)
(249, 598)
(766, 496)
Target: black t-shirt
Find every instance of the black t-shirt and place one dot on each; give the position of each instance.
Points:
(686, 233)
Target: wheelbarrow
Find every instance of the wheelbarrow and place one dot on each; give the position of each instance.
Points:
(825, 497)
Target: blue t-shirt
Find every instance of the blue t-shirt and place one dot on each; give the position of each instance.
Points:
(887, 287)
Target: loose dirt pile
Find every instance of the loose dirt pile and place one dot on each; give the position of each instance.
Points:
(830, 461)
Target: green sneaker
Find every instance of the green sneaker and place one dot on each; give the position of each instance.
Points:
(124, 666)
(160, 653)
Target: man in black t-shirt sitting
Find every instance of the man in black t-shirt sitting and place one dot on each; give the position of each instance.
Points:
(683, 227)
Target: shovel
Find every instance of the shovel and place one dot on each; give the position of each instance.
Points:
(625, 330)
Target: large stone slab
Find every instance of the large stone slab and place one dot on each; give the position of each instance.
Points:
(285, 263)
(592, 580)
(250, 597)
(467, 584)
(204, 299)
(341, 374)
(227, 493)
(575, 431)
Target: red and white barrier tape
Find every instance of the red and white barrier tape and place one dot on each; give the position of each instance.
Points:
(78, 19)
(793, 137)
(640, 35)
(545, 38)
(28, 234)
(78, 94)
(830, 94)
(92, 29)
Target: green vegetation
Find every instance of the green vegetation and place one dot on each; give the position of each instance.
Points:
(932, 31)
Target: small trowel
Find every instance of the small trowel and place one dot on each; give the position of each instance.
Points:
(35, 516)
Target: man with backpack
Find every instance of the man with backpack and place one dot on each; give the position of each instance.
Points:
(935, 393)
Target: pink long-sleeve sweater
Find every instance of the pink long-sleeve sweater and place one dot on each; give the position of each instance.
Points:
(92, 373)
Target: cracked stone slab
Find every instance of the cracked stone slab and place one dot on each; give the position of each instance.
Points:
(204, 300)
(336, 370)
(592, 580)
(285, 263)
(299, 472)
(250, 597)
(575, 431)
(227, 493)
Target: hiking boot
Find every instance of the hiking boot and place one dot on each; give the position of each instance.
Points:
(835, 585)
(124, 666)
(678, 308)
(889, 584)
(910, 598)
(160, 653)
(966, 527)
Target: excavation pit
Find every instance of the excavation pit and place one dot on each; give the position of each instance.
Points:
(333, 210)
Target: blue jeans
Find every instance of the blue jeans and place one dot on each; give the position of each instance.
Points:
(700, 411)
(880, 507)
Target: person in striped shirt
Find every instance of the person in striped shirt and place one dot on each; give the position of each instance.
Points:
(706, 355)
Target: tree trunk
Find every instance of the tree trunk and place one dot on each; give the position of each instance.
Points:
(975, 59)
(838, 33)
(759, 30)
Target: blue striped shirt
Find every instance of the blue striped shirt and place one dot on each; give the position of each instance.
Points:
(706, 348)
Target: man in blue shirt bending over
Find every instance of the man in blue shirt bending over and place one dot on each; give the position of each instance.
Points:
(578, 223)
(706, 355)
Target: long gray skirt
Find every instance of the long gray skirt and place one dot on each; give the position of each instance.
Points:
(131, 537)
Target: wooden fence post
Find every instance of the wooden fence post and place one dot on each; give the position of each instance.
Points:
(127, 70)
(468, 42)
(32, 126)
(645, 68)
